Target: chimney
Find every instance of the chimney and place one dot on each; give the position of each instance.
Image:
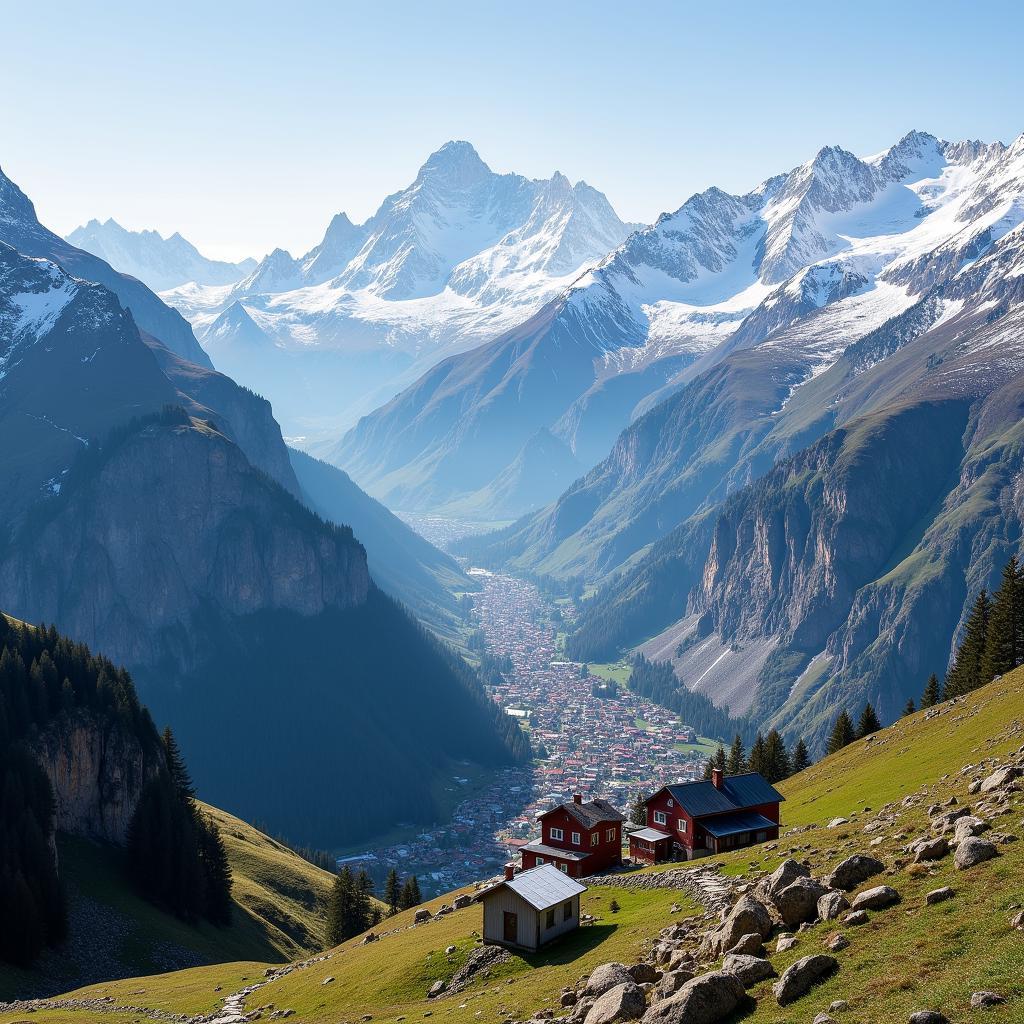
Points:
(577, 798)
(510, 872)
(716, 778)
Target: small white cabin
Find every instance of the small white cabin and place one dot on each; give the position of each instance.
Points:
(529, 909)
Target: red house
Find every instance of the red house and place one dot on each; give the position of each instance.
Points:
(695, 819)
(578, 838)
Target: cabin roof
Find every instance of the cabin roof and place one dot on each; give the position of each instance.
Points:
(592, 813)
(541, 887)
(737, 793)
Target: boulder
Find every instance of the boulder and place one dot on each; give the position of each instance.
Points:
(854, 871)
(939, 895)
(751, 944)
(568, 998)
(944, 822)
(749, 915)
(927, 1017)
(436, 989)
(980, 1000)
(642, 973)
(785, 874)
(421, 915)
(749, 969)
(670, 984)
(1000, 778)
(798, 902)
(460, 902)
(837, 942)
(831, 905)
(703, 1000)
(606, 977)
(967, 827)
(972, 851)
(877, 898)
(856, 917)
(798, 978)
(623, 1002)
(836, 822)
(824, 1018)
(928, 848)
(784, 942)
(838, 1006)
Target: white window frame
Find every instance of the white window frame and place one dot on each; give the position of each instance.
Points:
(595, 838)
(576, 839)
(610, 835)
(682, 825)
(660, 818)
(557, 833)
(539, 861)
(564, 868)
(671, 804)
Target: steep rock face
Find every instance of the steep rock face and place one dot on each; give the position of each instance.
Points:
(97, 770)
(172, 518)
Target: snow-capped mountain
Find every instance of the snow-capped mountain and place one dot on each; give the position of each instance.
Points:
(453, 260)
(159, 262)
(806, 263)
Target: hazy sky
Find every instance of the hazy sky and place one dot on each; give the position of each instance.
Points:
(247, 125)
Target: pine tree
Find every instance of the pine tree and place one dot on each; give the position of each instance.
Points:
(842, 732)
(909, 708)
(410, 894)
(967, 671)
(932, 693)
(340, 908)
(758, 760)
(176, 765)
(638, 810)
(216, 872)
(801, 758)
(1004, 637)
(392, 891)
(776, 758)
(737, 763)
(868, 723)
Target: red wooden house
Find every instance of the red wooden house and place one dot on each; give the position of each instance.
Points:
(694, 819)
(578, 838)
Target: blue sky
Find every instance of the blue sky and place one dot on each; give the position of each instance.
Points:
(247, 125)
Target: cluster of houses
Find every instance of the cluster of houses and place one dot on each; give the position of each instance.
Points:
(540, 901)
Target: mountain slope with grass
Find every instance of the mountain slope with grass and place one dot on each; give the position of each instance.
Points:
(874, 797)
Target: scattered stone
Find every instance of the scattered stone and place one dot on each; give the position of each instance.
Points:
(836, 822)
(784, 875)
(824, 1018)
(798, 978)
(973, 851)
(785, 942)
(856, 917)
(465, 900)
(876, 899)
(568, 998)
(838, 1006)
(328, 980)
(421, 915)
(939, 895)
(927, 1017)
(967, 827)
(831, 905)
(979, 1000)
(798, 902)
(643, 973)
(751, 945)
(623, 1002)
(1017, 921)
(928, 848)
(837, 942)
(1000, 778)
(703, 1000)
(749, 915)
(749, 969)
(436, 989)
(606, 977)
(854, 871)
(670, 984)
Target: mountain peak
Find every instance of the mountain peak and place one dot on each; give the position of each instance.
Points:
(456, 163)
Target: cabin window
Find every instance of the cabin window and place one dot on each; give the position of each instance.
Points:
(595, 838)
(682, 825)
(575, 839)
(557, 833)
(610, 836)
(567, 910)
(660, 817)
(539, 861)
(762, 837)
(550, 922)
(671, 804)
(564, 868)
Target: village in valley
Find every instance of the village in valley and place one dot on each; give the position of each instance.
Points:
(591, 736)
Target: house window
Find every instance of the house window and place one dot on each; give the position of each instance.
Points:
(660, 817)
(671, 804)
(550, 923)
(539, 861)
(575, 839)
(557, 833)
(567, 910)
(595, 838)
(564, 868)
(762, 837)
(610, 835)
(682, 825)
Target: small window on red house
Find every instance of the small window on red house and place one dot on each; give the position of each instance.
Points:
(557, 833)
(595, 838)
(610, 836)
(575, 839)
(682, 824)
(660, 818)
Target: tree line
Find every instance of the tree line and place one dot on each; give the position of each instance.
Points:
(351, 909)
(767, 755)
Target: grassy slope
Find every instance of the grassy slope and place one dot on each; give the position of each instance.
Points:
(907, 958)
(280, 905)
